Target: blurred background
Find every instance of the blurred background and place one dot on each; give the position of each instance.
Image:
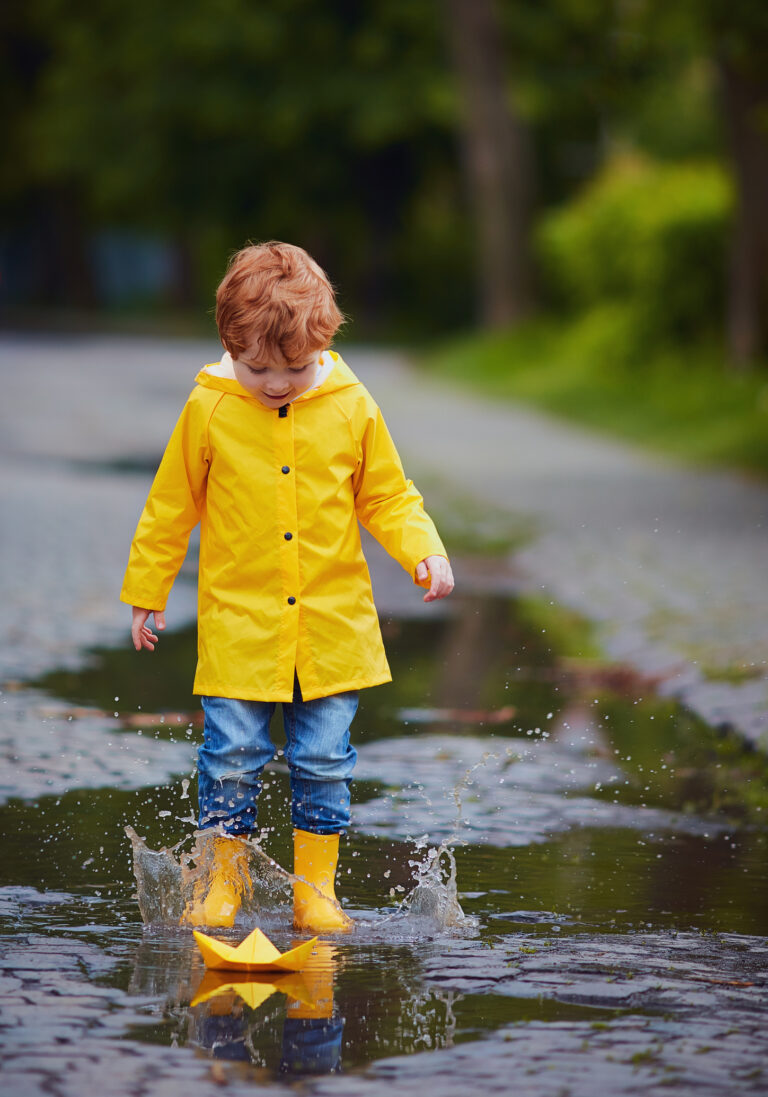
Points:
(588, 178)
(560, 204)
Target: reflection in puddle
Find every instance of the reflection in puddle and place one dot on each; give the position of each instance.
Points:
(312, 1034)
(352, 1005)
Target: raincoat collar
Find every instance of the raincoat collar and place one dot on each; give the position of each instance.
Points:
(220, 376)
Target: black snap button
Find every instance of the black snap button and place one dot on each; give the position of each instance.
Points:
(288, 536)
(291, 601)
(286, 468)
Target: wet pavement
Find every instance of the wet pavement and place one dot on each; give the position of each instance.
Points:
(583, 1014)
(611, 859)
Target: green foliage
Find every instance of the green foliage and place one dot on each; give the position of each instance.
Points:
(336, 125)
(650, 235)
(328, 125)
(690, 131)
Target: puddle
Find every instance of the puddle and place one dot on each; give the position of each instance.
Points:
(394, 1013)
(603, 863)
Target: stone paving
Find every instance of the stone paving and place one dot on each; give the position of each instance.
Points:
(82, 422)
(62, 1034)
(511, 795)
(44, 750)
(694, 1020)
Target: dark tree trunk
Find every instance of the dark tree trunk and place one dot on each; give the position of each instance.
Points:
(745, 106)
(64, 274)
(182, 289)
(497, 162)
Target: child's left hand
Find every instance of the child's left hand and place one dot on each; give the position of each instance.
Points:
(438, 570)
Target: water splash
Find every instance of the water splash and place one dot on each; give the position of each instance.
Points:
(168, 880)
(510, 753)
(158, 882)
(435, 894)
(433, 901)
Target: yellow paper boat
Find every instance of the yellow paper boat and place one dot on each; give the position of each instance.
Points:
(254, 991)
(255, 953)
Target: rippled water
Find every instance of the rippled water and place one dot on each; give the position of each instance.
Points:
(536, 840)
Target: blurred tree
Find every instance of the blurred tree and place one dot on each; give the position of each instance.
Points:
(732, 36)
(497, 161)
(626, 63)
(335, 125)
(739, 30)
(324, 124)
(50, 253)
(649, 237)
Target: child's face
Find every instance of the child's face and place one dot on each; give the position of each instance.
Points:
(270, 378)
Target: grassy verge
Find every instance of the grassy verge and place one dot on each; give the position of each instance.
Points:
(684, 402)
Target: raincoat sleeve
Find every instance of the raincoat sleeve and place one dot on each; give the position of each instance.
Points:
(388, 505)
(172, 510)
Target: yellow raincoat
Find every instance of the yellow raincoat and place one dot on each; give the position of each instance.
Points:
(283, 584)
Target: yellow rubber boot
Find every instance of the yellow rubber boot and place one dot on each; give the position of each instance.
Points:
(315, 908)
(222, 889)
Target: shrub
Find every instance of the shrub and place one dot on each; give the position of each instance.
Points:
(649, 235)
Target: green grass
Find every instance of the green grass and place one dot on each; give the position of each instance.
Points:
(684, 402)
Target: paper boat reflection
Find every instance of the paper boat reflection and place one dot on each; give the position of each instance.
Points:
(254, 990)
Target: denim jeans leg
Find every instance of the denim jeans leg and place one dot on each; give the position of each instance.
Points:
(236, 747)
(321, 760)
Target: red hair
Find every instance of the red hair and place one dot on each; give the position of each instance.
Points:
(277, 293)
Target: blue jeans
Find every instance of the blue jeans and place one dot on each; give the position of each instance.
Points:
(237, 745)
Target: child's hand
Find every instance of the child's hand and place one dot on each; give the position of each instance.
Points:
(141, 634)
(438, 570)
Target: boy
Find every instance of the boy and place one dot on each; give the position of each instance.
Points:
(279, 453)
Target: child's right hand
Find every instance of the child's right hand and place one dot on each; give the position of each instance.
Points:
(141, 634)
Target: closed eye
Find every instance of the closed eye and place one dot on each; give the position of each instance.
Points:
(263, 369)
